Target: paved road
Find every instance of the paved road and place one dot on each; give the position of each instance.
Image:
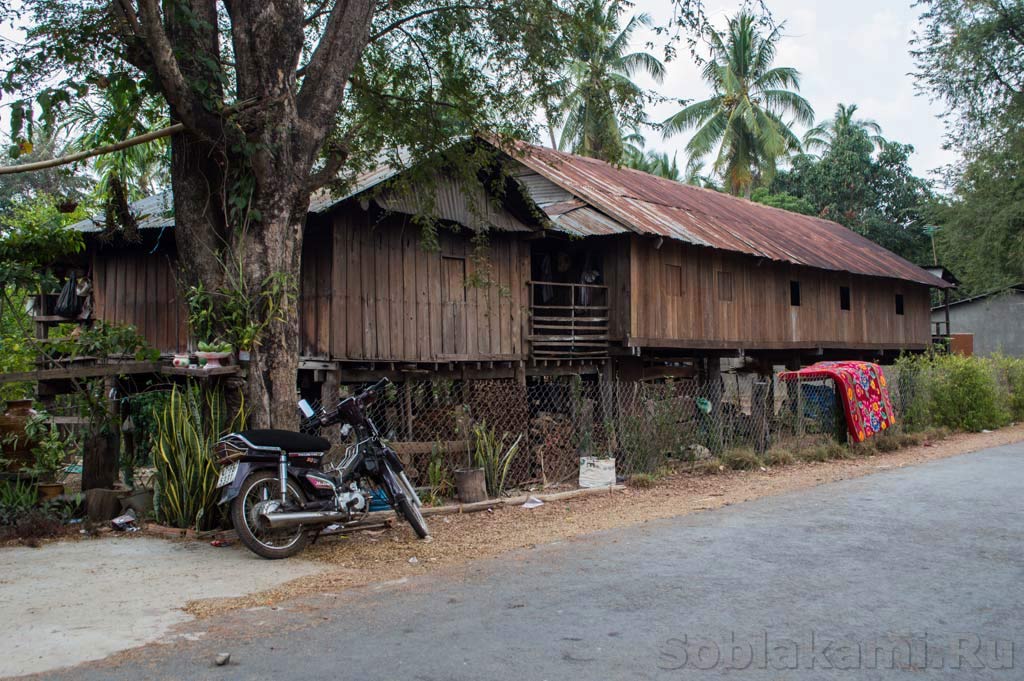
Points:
(851, 580)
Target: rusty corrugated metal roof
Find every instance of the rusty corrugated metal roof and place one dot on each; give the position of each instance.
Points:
(653, 205)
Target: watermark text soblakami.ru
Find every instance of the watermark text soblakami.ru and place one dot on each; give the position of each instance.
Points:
(814, 650)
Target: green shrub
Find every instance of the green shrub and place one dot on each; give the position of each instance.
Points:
(642, 480)
(824, 451)
(495, 456)
(957, 392)
(741, 459)
(186, 476)
(778, 456)
(965, 395)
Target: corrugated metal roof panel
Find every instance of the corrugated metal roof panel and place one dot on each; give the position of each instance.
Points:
(586, 221)
(152, 212)
(652, 205)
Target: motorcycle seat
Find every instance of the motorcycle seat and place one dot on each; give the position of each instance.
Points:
(286, 440)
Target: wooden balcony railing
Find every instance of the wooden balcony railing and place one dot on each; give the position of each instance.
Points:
(568, 321)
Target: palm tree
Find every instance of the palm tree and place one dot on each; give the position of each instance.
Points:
(601, 100)
(123, 110)
(743, 118)
(655, 163)
(823, 135)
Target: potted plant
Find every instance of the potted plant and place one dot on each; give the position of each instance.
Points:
(211, 354)
(470, 482)
(50, 451)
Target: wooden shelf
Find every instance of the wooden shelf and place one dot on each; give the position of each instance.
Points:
(201, 372)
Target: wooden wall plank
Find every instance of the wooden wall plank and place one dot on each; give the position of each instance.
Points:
(760, 311)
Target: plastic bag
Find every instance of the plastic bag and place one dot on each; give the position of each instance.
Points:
(68, 303)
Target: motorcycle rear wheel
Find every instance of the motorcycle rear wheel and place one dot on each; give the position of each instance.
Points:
(259, 487)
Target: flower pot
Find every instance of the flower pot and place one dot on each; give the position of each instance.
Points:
(12, 423)
(49, 490)
(471, 485)
(595, 472)
(213, 359)
(180, 360)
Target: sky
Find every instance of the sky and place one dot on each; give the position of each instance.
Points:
(854, 52)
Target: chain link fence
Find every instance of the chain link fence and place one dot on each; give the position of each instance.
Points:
(437, 426)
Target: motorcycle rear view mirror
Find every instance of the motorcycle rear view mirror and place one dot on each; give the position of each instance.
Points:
(306, 409)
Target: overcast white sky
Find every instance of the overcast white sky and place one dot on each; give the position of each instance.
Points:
(854, 52)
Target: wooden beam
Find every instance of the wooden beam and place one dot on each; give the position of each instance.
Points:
(92, 371)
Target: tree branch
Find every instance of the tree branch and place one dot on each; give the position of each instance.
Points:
(422, 13)
(340, 47)
(337, 154)
(98, 151)
(175, 87)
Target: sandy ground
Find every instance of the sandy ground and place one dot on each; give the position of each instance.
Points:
(72, 601)
(386, 555)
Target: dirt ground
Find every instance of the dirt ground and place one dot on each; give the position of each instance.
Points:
(372, 557)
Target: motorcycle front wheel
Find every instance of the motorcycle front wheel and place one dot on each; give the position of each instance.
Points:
(259, 489)
(405, 504)
(411, 512)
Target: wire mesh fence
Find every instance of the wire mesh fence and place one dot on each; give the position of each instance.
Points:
(536, 433)
(550, 424)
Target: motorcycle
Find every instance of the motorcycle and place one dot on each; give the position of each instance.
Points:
(282, 496)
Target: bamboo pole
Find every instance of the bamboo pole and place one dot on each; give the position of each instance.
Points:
(98, 151)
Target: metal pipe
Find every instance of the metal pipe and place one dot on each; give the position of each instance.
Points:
(282, 474)
(283, 520)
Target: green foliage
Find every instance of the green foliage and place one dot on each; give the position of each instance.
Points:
(982, 227)
(969, 55)
(744, 116)
(16, 498)
(494, 455)
(34, 236)
(642, 480)
(794, 204)
(600, 99)
(237, 315)
(50, 448)
(952, 391)
(439, 478)
(741, 459)
(655, 163)
(649, 433)
(864, 182)
(186, 476)
(778, 456)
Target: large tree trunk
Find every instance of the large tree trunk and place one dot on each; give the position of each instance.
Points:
(275, 247)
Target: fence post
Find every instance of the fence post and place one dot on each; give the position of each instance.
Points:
(759, 414)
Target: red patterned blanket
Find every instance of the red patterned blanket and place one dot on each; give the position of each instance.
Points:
(865, 394)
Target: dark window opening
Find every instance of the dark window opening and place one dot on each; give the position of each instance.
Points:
(674, 280)
(899, 303)
(725, 286)
(844, 297)
(794, 293)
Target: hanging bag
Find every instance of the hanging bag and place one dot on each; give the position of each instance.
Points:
(68, 303)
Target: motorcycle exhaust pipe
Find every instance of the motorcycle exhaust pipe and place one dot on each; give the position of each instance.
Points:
(283, 520)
